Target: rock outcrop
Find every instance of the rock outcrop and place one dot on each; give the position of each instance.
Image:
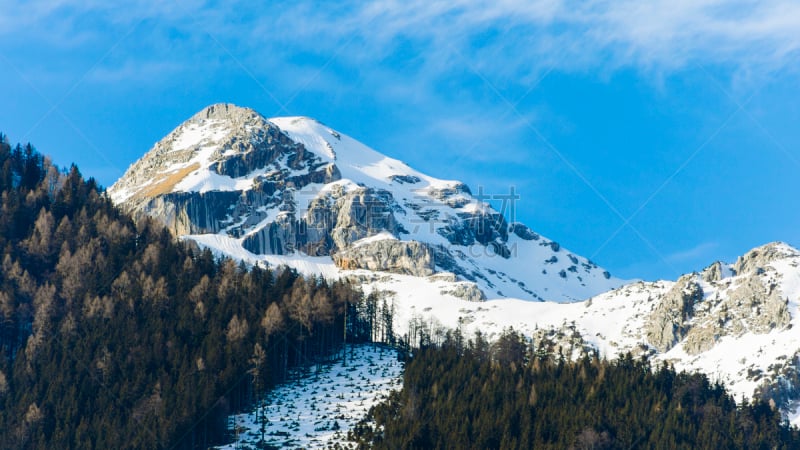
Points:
(565, 340)
(387, 255)
(757, 259)
(749, 306)
(523, 232)
(668, 323)
(712, 273)
(327, 223)
(744, 299)
(466, 290)
(231, 142)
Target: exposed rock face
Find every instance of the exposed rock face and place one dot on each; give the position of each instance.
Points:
(749, 303)
(712, 273)
(405, 179)
(331, 222)
(363, 213)
(388, 255)
(484, 228)
(759, 258)
(668, 322)
(466, 290)
(759, 308)
(191, 212)
(523, 232)
(230, 211)
(443, 276)
(750, 306)
(780, 383)
(452, 195)
(565, 340)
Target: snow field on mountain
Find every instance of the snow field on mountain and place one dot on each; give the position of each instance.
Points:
(356, 161)
(324, 402)
(613, 322)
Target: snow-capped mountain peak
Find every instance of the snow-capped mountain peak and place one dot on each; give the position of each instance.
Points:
(355, 161)
(290, 190)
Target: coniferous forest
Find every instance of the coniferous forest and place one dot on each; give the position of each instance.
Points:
(114, 335)
(511, 394)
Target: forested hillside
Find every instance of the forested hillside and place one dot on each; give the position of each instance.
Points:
(112, 335)
(515, 394)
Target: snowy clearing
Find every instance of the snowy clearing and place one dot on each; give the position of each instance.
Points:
(321, 406)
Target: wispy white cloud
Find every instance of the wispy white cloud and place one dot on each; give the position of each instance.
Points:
(131, 71)
(524, 37)
(699, 251)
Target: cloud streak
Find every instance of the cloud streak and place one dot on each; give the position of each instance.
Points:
(527, 37)
(698, 252)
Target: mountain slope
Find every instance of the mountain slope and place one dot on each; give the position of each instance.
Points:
(735, 322)
(293, 191)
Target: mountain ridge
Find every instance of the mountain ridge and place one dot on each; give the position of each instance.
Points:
(293, 186)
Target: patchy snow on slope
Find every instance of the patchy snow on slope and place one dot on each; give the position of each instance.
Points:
(203, 180)
(324, 403)
(793, 416)
(383, 236)
(614, 315)
(195, 134)
(222, 245)
(614, 322)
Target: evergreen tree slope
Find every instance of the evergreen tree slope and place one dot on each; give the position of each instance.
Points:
(514, 395)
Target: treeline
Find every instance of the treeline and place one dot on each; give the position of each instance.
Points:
(112, 335)
(470, 394)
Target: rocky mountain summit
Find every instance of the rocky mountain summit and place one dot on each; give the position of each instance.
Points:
(238, 182)
(214, 169)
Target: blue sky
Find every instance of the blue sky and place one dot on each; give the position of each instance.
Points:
(653, 137)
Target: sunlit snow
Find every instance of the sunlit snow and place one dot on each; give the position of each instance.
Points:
(324, 403)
